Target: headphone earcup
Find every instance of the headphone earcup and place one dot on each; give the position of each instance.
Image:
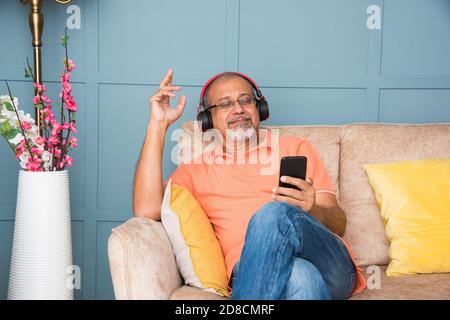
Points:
(263, 108)
(204, 117)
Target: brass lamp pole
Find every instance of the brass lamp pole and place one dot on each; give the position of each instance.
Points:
(36, 21)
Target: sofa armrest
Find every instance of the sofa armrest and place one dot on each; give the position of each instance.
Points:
(141, 260)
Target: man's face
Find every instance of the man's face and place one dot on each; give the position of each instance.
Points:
(237, 117)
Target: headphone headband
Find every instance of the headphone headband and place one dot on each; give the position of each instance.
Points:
(208, 83)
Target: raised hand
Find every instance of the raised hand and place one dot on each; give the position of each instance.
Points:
(160, 108)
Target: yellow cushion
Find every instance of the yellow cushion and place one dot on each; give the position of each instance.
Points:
(414, 197)
(197, 250)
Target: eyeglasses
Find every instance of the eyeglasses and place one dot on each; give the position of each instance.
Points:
(226, 105)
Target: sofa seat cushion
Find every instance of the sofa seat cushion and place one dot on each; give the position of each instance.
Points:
(434, 286)
(411, 287)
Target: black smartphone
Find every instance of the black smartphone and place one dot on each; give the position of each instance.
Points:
(293, 166)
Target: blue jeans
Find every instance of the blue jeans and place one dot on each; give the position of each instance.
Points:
(288, 254)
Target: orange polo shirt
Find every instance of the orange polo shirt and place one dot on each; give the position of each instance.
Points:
(230, 192)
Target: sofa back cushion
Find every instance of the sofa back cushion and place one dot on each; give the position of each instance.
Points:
(379, 143)
(325, 139)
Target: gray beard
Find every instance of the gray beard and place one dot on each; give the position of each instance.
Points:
(240, 137)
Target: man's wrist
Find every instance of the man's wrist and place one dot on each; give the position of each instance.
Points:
(317, 212)
(155, 125)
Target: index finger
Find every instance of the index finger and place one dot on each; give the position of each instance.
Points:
(167, 78)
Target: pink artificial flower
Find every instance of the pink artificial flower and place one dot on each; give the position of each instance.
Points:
(57, 152)
(64, 95)
(45, 99)
(70, 65)
(26, 125)
(20, 149)
(40, 87)
(67, 87)
(18, 153)
(70, 125)
(49, 117)
(56, 128)
(33, 165)
(71, 105)
(67, 160)
(61, 164)
(36, 99)
(21, 146)
(73, 142)
(53, 140)
(40, 140)
(65, 77)
(36, 151)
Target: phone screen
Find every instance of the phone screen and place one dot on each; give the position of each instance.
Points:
(293, 166)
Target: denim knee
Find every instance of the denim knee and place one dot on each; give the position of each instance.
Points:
(305, 283)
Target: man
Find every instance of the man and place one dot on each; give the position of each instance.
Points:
(278, 243)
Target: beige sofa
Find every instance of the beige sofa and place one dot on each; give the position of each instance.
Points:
(143, 265)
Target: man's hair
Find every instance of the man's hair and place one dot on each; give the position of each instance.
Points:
(224, 76)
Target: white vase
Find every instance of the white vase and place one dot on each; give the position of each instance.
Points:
(41, 259)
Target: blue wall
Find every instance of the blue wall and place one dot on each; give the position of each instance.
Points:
(316, 61)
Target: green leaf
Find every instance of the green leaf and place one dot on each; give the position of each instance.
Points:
(64, 40)
(12, 133)
(39, 106)
(28, 73)
(9, 106)
(5, 128)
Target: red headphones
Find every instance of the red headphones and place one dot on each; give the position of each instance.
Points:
(203, 114)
